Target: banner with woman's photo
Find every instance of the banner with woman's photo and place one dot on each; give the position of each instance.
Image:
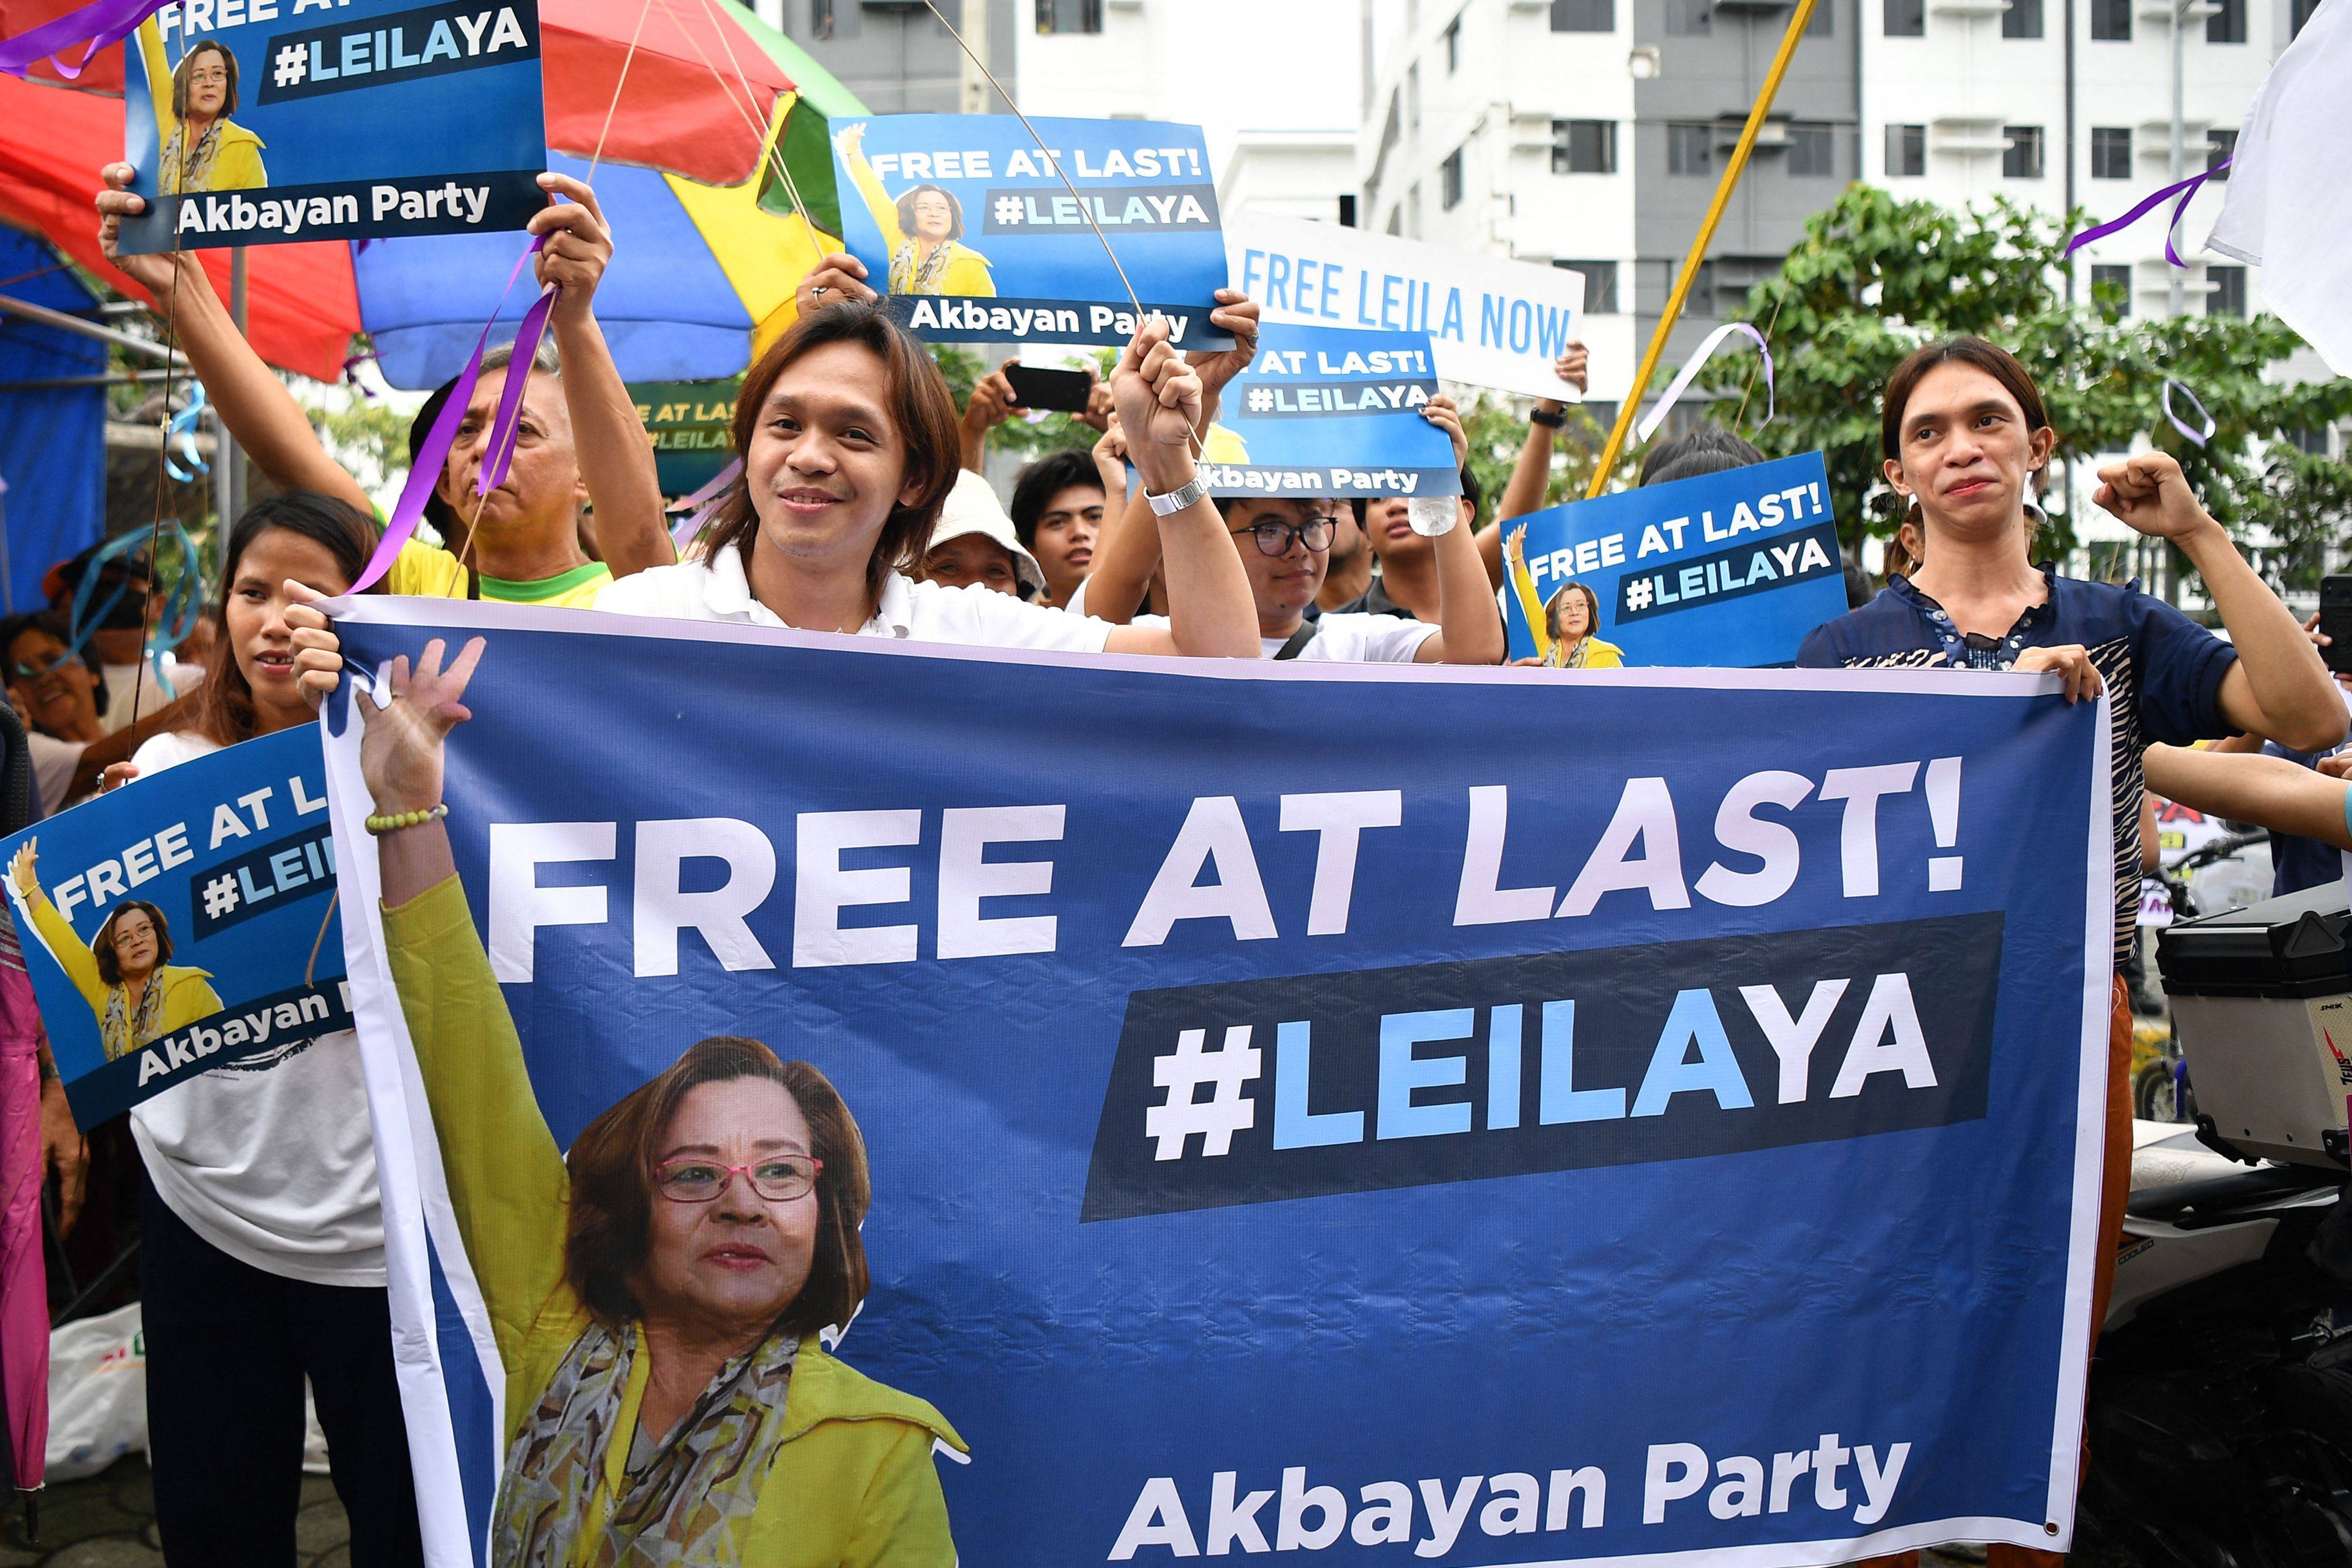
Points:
(1230, 1108)
(979, 235)
(259, 122)
(183, 925)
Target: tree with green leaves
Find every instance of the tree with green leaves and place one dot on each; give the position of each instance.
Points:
(1875, 277)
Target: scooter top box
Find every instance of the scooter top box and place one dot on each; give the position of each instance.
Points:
(2290, 947)
(2261, 1006)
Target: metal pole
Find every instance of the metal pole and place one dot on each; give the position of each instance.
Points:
(64, 322)
(1798, 21)
(2173, 292)
(230, 462)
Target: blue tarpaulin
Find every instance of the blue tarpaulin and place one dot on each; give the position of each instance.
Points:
(52, 439)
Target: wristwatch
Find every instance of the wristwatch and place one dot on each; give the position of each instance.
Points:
(1548, 421)
(1179, 498)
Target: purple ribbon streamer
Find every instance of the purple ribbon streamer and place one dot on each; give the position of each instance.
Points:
(501, 451)
(102, 22)
(351, 363)
(434, 453)
(2186, 189)
(2163, 400)
(712, 490)
(1691, 367)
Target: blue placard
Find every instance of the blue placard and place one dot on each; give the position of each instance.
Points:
(1327, 411)
(1730, 569)
(227, 864)
(963, 221)
(1352, 1115)
(337, 120)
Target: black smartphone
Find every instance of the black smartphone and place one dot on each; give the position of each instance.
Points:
(1062, 390)
(2336, 621)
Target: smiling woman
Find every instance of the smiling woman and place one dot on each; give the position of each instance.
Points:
(658, 1292)
(202, 149)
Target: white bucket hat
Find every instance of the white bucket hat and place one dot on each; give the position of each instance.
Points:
(972, 508)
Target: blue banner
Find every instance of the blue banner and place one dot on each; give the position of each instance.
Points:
(1345, 1113)
(183, 922)
(1730, 569)
(970, 228)
(257, 121)
(1327, 411)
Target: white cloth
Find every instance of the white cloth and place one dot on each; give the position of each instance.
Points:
(1077, 604)
(275, 1163)
(2290, 190)
(54, 762)
(715, 589)
(1347, 638)
(126, 683)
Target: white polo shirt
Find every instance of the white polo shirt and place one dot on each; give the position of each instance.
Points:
(714, 588)
(1346, 637)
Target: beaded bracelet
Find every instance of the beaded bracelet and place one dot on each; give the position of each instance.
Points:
(393, 823)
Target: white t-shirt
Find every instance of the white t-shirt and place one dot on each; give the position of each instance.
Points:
(127, 683)
(273, 1163)
(54, 762)
(1347, 638)
(715, 589)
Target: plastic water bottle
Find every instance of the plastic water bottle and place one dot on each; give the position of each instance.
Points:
(1430, 516)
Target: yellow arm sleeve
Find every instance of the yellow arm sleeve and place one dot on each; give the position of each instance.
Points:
(159, 78)
(72, 953)
(877, 201)
(902, 1520)
(1523, 586)
(238, 168)
(506, 1176)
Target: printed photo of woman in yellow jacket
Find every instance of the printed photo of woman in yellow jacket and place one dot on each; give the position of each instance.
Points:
(923, 228)
(124, 973)
(1566, 626)
(202, 149)
(657, 1293)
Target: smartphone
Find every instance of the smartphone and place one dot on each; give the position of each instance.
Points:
(2336, 621)
(1064, 390)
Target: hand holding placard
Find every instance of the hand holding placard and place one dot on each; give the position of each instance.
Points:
(1158, 398)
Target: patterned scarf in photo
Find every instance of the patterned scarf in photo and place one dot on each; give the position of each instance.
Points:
(906, 278)
(686, 1508)
(1563, 659)
(122, 1035)
(186, 169)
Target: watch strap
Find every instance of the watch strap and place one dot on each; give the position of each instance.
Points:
(1548, 421)
(1179, 498)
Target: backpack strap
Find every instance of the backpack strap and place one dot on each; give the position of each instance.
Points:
(1298, 640)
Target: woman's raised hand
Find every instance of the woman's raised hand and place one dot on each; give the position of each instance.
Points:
(317, 651)
(400, 752)
(21, 873)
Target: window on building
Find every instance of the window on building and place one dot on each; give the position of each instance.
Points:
(1583, 16)
(1824, 22)
(2226, 24)
(1813, 149)
(1689, 18)
(2111, 20)
(1600, 284)
(2111, 152)
(2298, 14)
(1412, 212)
(825, 21)
(1906, 151)
(1412, 95)
(2022, 159)
(2021, 20)
(1907, 18)
(2221, 146)
(1070, 15)
(1690, 149)
(2111, 288)
(1449, 180)
(2311, 443)
(2228, 294)
(1583, 146)
(1453, 46)
(1348, 209)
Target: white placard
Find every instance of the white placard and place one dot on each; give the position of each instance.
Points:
(1491, 321)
